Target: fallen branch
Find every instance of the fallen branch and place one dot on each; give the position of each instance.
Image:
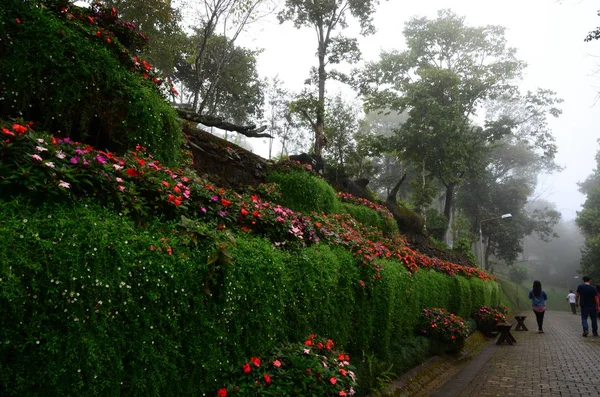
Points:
(210, 121)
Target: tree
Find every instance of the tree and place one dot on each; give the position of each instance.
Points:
(232, 17)
(233, 90)
(159, 20)
(327, 16)
(446, 73)
(588, 220)
(282, 121)
(341, 126)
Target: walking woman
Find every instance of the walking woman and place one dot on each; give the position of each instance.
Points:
(538, 303)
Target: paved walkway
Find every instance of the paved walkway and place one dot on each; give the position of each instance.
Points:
(560, 362)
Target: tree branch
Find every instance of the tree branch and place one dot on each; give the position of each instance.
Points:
(210, 121)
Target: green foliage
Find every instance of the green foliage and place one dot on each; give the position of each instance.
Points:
(444, 326)
(228, 83)
(518, 273)
(304, 192)
(463, 245)
(436, 223)
(487, 318)
(56, 72)
(371, 217)
(315, 367)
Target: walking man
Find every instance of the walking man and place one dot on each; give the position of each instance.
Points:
(571, 300)
(587, 299)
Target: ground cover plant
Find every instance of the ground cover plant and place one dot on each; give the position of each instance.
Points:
(74, 72)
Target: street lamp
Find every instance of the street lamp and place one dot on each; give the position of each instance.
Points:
(481, 235)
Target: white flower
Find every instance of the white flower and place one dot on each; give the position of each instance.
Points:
(49, 164)
(41, 149)
(60, 154)
(117, 167)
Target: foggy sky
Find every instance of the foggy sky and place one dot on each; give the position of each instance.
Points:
(548, 35)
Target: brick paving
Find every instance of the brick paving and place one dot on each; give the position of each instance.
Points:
(560, 362)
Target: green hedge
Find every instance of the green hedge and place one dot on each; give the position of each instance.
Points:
(53, 73)
(93, 304)
(370, 217)
(301, 191)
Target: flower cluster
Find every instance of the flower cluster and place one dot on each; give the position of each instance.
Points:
(139, 185)
(300, 369)
(487, 318)
(349, 198)
(103, 24)
(444, 326)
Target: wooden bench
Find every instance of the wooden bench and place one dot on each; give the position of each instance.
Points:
(520, 323)
(505, 335)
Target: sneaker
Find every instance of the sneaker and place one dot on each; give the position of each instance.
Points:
(585, 333)
(541, 331)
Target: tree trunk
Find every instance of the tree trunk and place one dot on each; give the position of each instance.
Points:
(392, 195)
(320, 124)
(448, 205)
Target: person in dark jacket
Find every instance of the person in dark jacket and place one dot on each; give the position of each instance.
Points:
(538, 303)
(587, 299)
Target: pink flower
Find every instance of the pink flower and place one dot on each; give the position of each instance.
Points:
(74, 160)
(49, 164)
(64, 184)
(60, 155)
(333, 380)
(100, 159)
(36, 157)
(119, 179)
(306, 351)
(277, 363)
(41, 149)
(121, 188)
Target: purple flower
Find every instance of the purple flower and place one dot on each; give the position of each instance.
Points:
(203, 209)
(100, 159)
(74, 160)
(214, 198)
(222, 213)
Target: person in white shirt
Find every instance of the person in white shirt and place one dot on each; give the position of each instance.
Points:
(571, 299)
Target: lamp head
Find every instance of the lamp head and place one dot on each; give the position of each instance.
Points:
(506, 216)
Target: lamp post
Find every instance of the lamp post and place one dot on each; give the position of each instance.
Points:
(481, 235)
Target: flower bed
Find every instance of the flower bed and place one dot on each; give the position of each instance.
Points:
(443, 326)
(487, 318)
(300, 369)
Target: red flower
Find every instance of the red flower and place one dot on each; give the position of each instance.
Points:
(244, 212)
(222, 392)
(176, 189)
(225, 203)
(267, 378)
(246, 368)
(343, 372)
(342, 393)
(17, 20)
(141, 161)
(18, 128)
(255, 361)
(254, 199)
(277, 363)
(131, 172)
(165, 183)
(256, 214)
(333, 380)
(308, 342)
(8, 132)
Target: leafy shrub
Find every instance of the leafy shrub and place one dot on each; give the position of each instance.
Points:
(370, 213)
(487, 318)
(64, 68)
(299, 369)
(463, 245)
(443, 326)
(436, 223)
(304, 192)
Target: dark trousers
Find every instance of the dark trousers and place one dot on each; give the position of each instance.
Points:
(539, 316)
(573, 308)
(591, 311)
